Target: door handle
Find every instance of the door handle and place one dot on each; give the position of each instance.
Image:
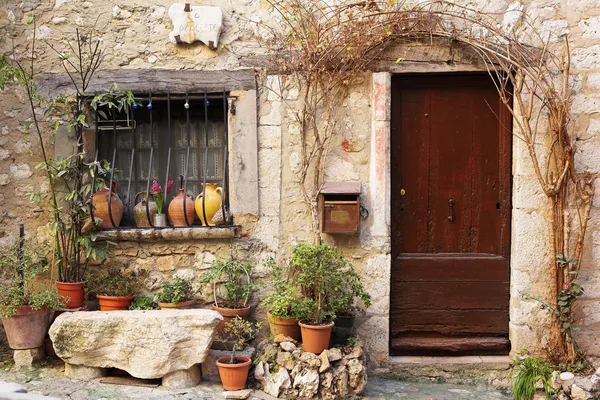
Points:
(450, 210)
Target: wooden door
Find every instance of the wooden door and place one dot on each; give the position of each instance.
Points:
(451, 186)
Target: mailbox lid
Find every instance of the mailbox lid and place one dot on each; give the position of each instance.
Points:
(341, 188)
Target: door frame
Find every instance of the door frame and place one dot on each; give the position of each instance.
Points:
(504, 118)
(376, 327)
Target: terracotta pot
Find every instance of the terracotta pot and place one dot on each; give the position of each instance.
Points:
(100, 203)
(182, 304)
(212, 202)
(316, 337)
(281, 326)
(113, 303)
(229, 314)
(234, 376)
(74, 291)
(176, 210)
(139, 211)
(27, 328)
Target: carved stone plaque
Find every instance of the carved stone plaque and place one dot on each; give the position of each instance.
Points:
(192, 23)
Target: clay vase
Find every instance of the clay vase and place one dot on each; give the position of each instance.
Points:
(27, 328)
(234, 376)
(176, 210)
(74, 291)
(139, 211)
(287, 327)
(100, 203)
(212, 202)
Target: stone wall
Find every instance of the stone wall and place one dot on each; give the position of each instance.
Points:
(136, 38)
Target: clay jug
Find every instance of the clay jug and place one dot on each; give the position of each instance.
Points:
(100, 203)
(176, 210)
(213, 197)
(139, 211)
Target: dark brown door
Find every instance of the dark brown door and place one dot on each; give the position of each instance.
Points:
(451, 185)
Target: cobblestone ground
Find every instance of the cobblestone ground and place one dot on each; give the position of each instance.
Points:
(49, 380)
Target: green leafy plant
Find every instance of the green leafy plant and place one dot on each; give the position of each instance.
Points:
(284, 300)
(142, 302)
(116, 281)
(241, 331)
(352, 341)
(231, 281)
(115, 100)
(176, 291)
(531, 372)
(319, 274)
(343, 300)
(22, 283)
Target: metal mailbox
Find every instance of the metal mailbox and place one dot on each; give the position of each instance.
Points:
(340, 207)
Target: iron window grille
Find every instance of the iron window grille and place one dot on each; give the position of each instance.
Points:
(184, 132)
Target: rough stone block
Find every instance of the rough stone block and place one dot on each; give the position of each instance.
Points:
(210, 372)
(83, 373)
(27, 358)
(182, 379)
(146, 344)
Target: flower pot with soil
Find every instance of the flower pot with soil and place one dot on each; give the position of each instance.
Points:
(177, 293)
(233, 370)
(26, 302)
(231, 282)
(115, 287)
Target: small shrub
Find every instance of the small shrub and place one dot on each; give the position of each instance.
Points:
(241, 331)
(21, 283)
(176, 291)
(115, 281)
(142, 302)
(231, 281)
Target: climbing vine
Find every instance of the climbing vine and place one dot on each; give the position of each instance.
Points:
(321, 48)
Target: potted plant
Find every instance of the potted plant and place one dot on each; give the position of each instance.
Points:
(142, 302)
(177, 293)
(160, 219)
(284, 308)
(115, 287)
(343, 302)
(74, 242)
(231, 282)
(233, 369)
(26, 301)
(319, 273)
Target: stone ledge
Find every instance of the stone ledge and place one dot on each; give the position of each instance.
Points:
(169, 234)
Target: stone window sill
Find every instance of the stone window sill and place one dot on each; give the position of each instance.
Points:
(168, 234)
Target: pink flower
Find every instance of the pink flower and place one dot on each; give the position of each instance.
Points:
(169, 186)
(566, 286)
(156, 187)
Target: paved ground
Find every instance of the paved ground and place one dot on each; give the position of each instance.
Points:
(50, 381)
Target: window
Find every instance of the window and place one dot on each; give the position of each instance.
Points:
(162, 137)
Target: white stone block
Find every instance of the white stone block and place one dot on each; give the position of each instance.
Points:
(200, 23)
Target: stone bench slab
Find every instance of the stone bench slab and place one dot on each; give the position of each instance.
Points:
(146, 344)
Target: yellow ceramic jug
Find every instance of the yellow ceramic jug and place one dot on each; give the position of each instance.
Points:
(213, 197)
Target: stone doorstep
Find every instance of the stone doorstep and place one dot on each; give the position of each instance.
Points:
(475, 362)
(210, 372)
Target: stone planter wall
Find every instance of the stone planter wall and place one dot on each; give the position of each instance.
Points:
(285, 371)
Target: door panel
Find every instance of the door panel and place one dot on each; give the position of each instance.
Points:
(451, 140)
